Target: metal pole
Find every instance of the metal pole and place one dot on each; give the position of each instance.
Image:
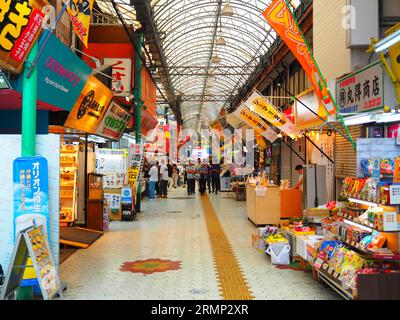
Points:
(139, 102)
(29, 97)
(86, 180)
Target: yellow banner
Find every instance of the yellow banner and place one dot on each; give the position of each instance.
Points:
(255, 121)
(80, 14)
(90, 107)
(260, 105)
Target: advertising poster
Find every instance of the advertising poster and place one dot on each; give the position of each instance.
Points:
(31, 194)
(281, 19)
(136, 159)
(62, 75)
(114, 122)
(80, 14)
(260, 105)
(90, 107)
(49, 147)
(20, 25)
(255, 122)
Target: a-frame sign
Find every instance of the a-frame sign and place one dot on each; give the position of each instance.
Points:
(32, 242)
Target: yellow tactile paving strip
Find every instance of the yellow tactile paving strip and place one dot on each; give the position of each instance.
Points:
(232, 283)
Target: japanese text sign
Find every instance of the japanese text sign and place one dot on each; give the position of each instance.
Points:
(281, 19)
(90, 107)
(20, 25)
(114, 122)
(255, 121)
(121, 73)
(260, 105)
(31, 199)
(361, 91)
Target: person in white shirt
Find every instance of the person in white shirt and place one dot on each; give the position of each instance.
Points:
(153, 179)
(164, 180)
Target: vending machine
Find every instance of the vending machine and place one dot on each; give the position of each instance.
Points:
(127, 204)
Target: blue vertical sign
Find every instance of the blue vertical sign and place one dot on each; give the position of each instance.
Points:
(31, 194)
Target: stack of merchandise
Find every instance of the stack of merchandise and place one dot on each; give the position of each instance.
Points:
(260, 236)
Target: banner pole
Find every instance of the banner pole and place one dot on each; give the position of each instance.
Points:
(322, 79)
(138, 99)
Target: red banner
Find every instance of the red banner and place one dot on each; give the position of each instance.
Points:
(281, 19)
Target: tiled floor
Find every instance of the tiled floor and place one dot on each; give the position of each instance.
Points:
(175, 229)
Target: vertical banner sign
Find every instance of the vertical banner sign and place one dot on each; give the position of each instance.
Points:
(255, 121)
(135, 165)
(80, 15)
(260, 105)
(20, 25)
(281, 19)
(31, 196)
(121, 73)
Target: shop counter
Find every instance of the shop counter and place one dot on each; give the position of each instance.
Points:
(275, 205)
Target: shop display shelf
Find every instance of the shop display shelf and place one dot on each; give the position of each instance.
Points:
(335, 285)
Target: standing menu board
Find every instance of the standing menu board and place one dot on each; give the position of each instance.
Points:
(32, 242)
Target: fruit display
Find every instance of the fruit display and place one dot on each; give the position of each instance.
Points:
(276, 238)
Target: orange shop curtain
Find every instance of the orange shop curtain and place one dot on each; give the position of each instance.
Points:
(149, 92)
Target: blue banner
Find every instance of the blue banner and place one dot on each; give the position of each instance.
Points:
(31, 194)
(61, 74)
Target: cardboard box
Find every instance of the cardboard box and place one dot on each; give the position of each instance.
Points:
(316, 212)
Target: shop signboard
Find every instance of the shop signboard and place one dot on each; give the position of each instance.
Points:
(361, 91)
(282, 20)
(89, 109)
(20, 25)
(136, 159)
(393, 131)
(31, 195)
(126, 195)
(260, 105)
(304, 118)
(114, 122)
(255, 121)
(62, 75)
(121, 73)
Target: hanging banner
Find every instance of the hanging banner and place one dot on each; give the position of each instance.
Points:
(304, 118)
(281, 19)
(255, 121)
(114, 122)
(90, 107)
(80, 14)
(260, 105)
(20, 25)
(31, 194)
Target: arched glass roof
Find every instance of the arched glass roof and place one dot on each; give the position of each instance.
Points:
(204, 73)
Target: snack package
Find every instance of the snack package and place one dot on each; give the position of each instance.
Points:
(377, 242)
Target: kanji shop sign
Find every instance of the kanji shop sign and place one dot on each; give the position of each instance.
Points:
(362, 90)
(20, 25)
(121, 72)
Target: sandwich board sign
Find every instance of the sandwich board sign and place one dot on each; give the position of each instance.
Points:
(32, 242)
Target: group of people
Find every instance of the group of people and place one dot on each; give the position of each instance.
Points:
(163, 176)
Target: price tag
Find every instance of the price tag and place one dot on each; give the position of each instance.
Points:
(340, 278)
(335, 275)
(330, 270)
(325, 266)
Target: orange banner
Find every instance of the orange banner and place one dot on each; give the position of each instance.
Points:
(281, 19)
(90, 107)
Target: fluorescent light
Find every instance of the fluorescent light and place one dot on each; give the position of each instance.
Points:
(367, 203)
(358, 120)
(387, 42)
(4, 85)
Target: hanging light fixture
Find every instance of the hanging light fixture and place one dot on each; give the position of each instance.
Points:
(221, 40)
(216, 59)
(227, 11)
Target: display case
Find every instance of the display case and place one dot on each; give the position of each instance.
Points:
(68, 184)
(94, 219)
